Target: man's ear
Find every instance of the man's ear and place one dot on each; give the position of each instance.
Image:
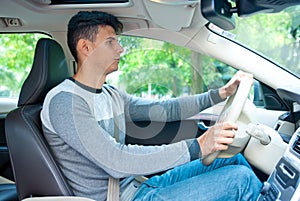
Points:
(84, 47)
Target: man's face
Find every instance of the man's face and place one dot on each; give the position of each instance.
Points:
(106, 52)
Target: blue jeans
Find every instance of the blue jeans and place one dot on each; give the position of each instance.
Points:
(224, 180)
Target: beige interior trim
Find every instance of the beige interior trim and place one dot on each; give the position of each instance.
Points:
(172, 15)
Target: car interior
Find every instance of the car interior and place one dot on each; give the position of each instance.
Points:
(25, 138)
(269, 125)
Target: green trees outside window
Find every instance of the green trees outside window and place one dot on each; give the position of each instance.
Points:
(157, 69)
(16, 56)
(161, 70)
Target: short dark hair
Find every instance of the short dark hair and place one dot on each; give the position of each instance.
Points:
(85, 25)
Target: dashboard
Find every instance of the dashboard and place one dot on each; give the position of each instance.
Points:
(283, 183)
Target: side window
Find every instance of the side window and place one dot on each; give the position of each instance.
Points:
(16, 57)
(156, 69)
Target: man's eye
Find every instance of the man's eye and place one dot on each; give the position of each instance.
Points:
(110, 42)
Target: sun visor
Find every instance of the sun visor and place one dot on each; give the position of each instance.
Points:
(171, 14)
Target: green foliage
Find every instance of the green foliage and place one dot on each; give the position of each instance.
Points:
(166, 69)
(283, 44)
(16, 56)
(147, 62)
(169, 70)
(215, 73)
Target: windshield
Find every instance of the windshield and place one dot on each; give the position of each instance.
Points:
(274, 35)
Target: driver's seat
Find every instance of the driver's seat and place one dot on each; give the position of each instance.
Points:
(35, 170)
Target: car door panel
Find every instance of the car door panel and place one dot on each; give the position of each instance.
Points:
(153, 133)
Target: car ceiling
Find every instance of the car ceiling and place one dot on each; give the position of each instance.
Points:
(39, 16)
(147, 18)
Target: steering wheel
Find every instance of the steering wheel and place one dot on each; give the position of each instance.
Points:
(237, 110)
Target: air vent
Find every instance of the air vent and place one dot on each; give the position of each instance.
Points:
(296, 145)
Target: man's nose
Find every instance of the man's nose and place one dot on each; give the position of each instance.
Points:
(120, 49)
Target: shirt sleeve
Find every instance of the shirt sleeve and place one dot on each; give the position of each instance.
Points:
(73, 121)
(173, 109)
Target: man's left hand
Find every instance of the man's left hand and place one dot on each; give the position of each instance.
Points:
(230, 88)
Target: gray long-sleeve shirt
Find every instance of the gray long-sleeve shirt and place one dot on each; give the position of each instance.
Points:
(80, 122)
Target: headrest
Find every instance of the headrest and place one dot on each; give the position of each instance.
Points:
(48, 70)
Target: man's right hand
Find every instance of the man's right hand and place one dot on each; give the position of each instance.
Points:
(217, 137)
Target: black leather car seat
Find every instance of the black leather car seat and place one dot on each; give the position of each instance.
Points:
(35, 170)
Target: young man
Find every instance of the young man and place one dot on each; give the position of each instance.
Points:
(84, 123)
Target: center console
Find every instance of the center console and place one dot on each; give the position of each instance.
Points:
(283, 183)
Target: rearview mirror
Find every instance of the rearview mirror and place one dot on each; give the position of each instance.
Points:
(219, 12)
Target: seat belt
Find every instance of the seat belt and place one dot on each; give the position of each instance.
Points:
(113, 191)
